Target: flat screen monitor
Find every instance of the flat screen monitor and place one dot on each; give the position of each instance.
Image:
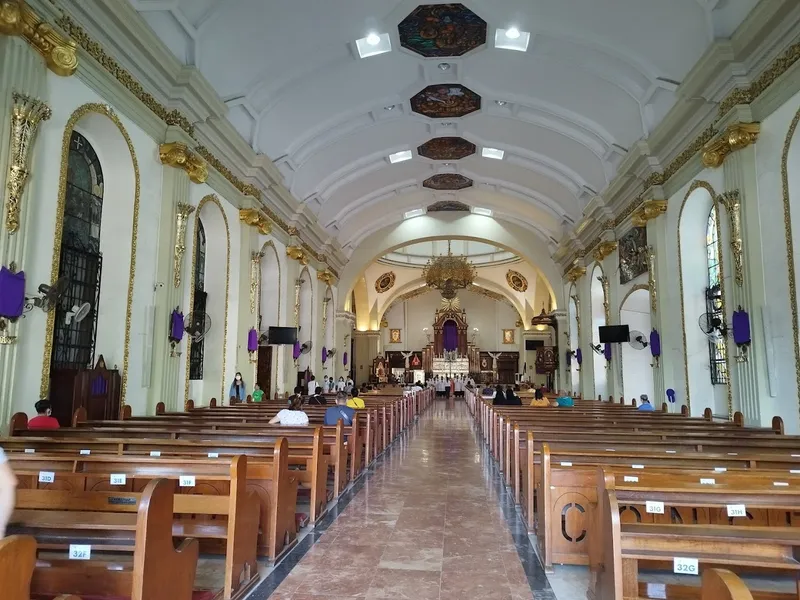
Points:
(279, 336)
(614, 334)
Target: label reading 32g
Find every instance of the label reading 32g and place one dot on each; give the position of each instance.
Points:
(685, 566)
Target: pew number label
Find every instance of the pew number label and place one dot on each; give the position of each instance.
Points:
(637, 466)
(704, 481)
(213, 455)
(654, 508)
(30, 451)
(46, 477)
(720, 469)
(155, 453)
(118, 479)
(186, 481)
(566, 464)
(85, 452)
(80, 552)
(686, 566)
(737, 510)
(631, 479)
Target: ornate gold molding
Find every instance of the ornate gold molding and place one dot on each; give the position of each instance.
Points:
(604, 250)
(297, 283)
(291, 230)
(577, 302)
(575, 272)
(59, 52)
(732, 204)
(297, 253)
(26, 115)
(255, 218)
(247, 189)
(326, 276)
(604, 281)
(651, 275)
(7, 340)
(178, 155)
(648, 211)
(181, 220)
(735, 137)
(255, 278)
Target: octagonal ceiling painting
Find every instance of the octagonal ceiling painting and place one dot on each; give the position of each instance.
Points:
(441, 30)
(445, 101)
(446, 148)
(448, 181)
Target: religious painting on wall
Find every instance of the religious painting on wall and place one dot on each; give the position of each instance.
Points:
(632, 254)
(440, 30)
(508, 336)
(385, 282)
(445, 101)
(448, 206)
(446, 148)
(447, 182)
(394, 336)
(516, 281)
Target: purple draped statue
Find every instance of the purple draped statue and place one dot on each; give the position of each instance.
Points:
(450, 336)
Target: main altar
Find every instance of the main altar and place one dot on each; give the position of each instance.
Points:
(450, 352)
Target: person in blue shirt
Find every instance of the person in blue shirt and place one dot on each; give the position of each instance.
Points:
(645, 404)
(565, 402)
(340, 411)
(238, 389)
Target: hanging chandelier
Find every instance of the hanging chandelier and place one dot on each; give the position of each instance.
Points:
(449, 273)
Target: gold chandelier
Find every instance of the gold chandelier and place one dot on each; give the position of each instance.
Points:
(448, 274)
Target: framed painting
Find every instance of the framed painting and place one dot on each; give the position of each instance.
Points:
(508, 336)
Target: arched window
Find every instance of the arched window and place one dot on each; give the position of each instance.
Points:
(200, 297)
(80, 258)
(717, 350)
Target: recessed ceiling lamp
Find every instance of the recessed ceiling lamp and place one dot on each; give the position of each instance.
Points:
(444, 66)
(484, 212)
(500, 102)
(401, 156)
(417, 212)
(374, 44)
(493, 153)
(512, 39)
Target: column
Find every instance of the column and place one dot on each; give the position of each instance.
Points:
(668, 369)
(740, 201)
(23, 76)
(561, 342)
(249, 276)
(345, 325)
(172, 270)
(606, 255)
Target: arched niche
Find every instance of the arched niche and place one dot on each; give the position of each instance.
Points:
(328, 335)
(637, 374)
(693, 279)
(269, 312)
(101, 126)
(217, 283)
(598, 320)
(574, 340)
(306, 318)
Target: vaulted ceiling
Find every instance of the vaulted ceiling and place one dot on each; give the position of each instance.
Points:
(597, 76)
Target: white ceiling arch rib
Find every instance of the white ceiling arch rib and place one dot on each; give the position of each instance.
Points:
(597, 77)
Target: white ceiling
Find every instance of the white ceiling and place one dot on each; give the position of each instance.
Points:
(598, 75)
(479, 253)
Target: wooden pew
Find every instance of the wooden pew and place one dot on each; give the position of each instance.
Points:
(158, 571)
(624, 539)
(214, 505)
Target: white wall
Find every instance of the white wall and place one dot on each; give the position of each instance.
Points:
(637, 374)
(598, 320)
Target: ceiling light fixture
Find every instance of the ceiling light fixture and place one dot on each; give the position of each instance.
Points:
(500, 102)
(389, 107)
(401, 156)
(444, 66)
(483, 212)
(374, 44)
(493, 153)
(512, 39)
(417, 212)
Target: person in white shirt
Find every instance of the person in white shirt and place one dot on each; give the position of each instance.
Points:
(340, 385)
(291, 416)
(439, 386)
(312, 384)
(417, 387)
(8, 486)
(459, 387)
(349, 385)
(324, 385)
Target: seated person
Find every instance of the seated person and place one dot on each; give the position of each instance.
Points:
(291, 416)
(43, 420)
(564, 402)
(8, 485)
(487, 392)
(511, 398)
(339, 411)
(499, 396)
(645, 405)
(258, 394)
(317, 399)
(540, 401)
(539, 393)
(355, 402)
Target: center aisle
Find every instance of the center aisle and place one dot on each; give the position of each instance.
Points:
(431, 521)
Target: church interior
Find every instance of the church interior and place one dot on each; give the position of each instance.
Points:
(324, 299)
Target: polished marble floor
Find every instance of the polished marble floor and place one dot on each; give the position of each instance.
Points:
(429, 520)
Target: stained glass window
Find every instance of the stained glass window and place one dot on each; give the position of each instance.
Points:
(717, 349)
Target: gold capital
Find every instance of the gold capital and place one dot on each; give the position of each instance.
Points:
(178, 155)
(604, 250)
(298, 254)
(735, 137)
(576, 272)
(18, 19)
(651, 209)
(326, 276)
(254, 218)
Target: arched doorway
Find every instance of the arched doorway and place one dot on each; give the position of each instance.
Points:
(637, 374)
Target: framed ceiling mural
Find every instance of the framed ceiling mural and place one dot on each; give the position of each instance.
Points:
(448, 181)
(632, 254)
(385, 282)
(448, 206)
(446, 148)
(516, 281)
(445, 101)
(442, 30)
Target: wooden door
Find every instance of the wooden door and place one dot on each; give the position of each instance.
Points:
(264, 370)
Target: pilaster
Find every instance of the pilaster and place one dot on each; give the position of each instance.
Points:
(249, 273)
(345, 325)
(22, 71)
(584, 288)
(667, 372)
(561, 342)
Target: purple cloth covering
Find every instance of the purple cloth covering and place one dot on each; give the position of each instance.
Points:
(296, 351)
(607, 351)
(655, 343)
(741, 327)
(579, 356)
(176, 326)
(324, 354)
(252, 340)
(12, 293)
(344, 359)
(450, 335)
